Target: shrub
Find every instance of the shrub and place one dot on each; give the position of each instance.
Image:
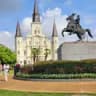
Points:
(58, 76)
(26, 69)
(61, 67)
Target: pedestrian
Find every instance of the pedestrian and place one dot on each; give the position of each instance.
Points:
(0, 69)
(6, 70)
(16, 69)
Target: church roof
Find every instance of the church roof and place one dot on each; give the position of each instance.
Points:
(18, 30)
(55, 33)
(36, 15)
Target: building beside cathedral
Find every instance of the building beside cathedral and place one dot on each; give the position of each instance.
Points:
(35, 39)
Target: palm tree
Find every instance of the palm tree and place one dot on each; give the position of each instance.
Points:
(35, 52)
(47, 52)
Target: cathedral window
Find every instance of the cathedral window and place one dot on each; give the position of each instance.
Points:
(24, 61)
(20, 62)
(28, 62)
(55, 41)
(38, 32)
(45, 42)
(24, 52)
(29, 42)
(35, 32)
(18, 52)
(18, 42)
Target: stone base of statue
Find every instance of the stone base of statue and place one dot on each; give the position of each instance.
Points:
(77, 50)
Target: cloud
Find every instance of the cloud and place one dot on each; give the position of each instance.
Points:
(9, 5)
(7, 38)
(26, 24)
(52, 12)
(48, 18)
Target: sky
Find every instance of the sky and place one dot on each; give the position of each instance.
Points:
(12, 11)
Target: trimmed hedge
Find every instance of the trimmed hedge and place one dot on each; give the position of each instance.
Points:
(58, 76)
(61, 67)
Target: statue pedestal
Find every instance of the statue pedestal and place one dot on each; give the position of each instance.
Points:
(77, 50)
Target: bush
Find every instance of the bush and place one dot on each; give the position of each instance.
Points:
(26, 69)
(58, 76)
(61, 67)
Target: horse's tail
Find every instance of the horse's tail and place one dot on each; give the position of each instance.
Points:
(89, 33)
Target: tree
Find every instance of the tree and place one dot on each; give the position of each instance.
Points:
(35, 52)
(47, 52)
(38, 53)
(6, 55)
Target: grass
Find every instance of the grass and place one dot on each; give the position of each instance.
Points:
(17, 93)
(11, 72)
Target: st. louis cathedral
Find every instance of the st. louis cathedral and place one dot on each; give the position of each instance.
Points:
(35, 39)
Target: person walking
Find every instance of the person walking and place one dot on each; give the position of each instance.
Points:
(6, 69)
(16, 69)
(0, 68)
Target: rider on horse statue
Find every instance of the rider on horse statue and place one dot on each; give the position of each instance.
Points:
(73, 23)
(74, 27)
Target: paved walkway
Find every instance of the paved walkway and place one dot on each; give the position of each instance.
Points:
(45, 86)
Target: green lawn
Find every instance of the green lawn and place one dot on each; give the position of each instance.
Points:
(17, 93)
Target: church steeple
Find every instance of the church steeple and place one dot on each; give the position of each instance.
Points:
(18, 30)
(36, 15)
(54, 42)
(54, 34)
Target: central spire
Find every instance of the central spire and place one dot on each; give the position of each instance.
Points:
(36, 15)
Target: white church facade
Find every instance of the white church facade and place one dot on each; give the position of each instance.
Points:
(35, 39)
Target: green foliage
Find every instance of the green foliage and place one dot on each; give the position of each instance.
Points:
(26, 69)
(58, 76)
(47, 52)
(6, 55)
(35, 52)
(64, 67)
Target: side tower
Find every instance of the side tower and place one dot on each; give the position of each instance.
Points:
(19, 45)
(54, 42)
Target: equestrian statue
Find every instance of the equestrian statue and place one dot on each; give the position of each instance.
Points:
(74, 27)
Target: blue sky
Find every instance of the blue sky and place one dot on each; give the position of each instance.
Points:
(13, 10)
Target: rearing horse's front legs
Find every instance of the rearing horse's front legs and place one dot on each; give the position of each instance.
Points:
(63, 32)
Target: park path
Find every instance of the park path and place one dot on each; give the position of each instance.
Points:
(45, 86)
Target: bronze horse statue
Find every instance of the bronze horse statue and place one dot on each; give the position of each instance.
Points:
(74, 27)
